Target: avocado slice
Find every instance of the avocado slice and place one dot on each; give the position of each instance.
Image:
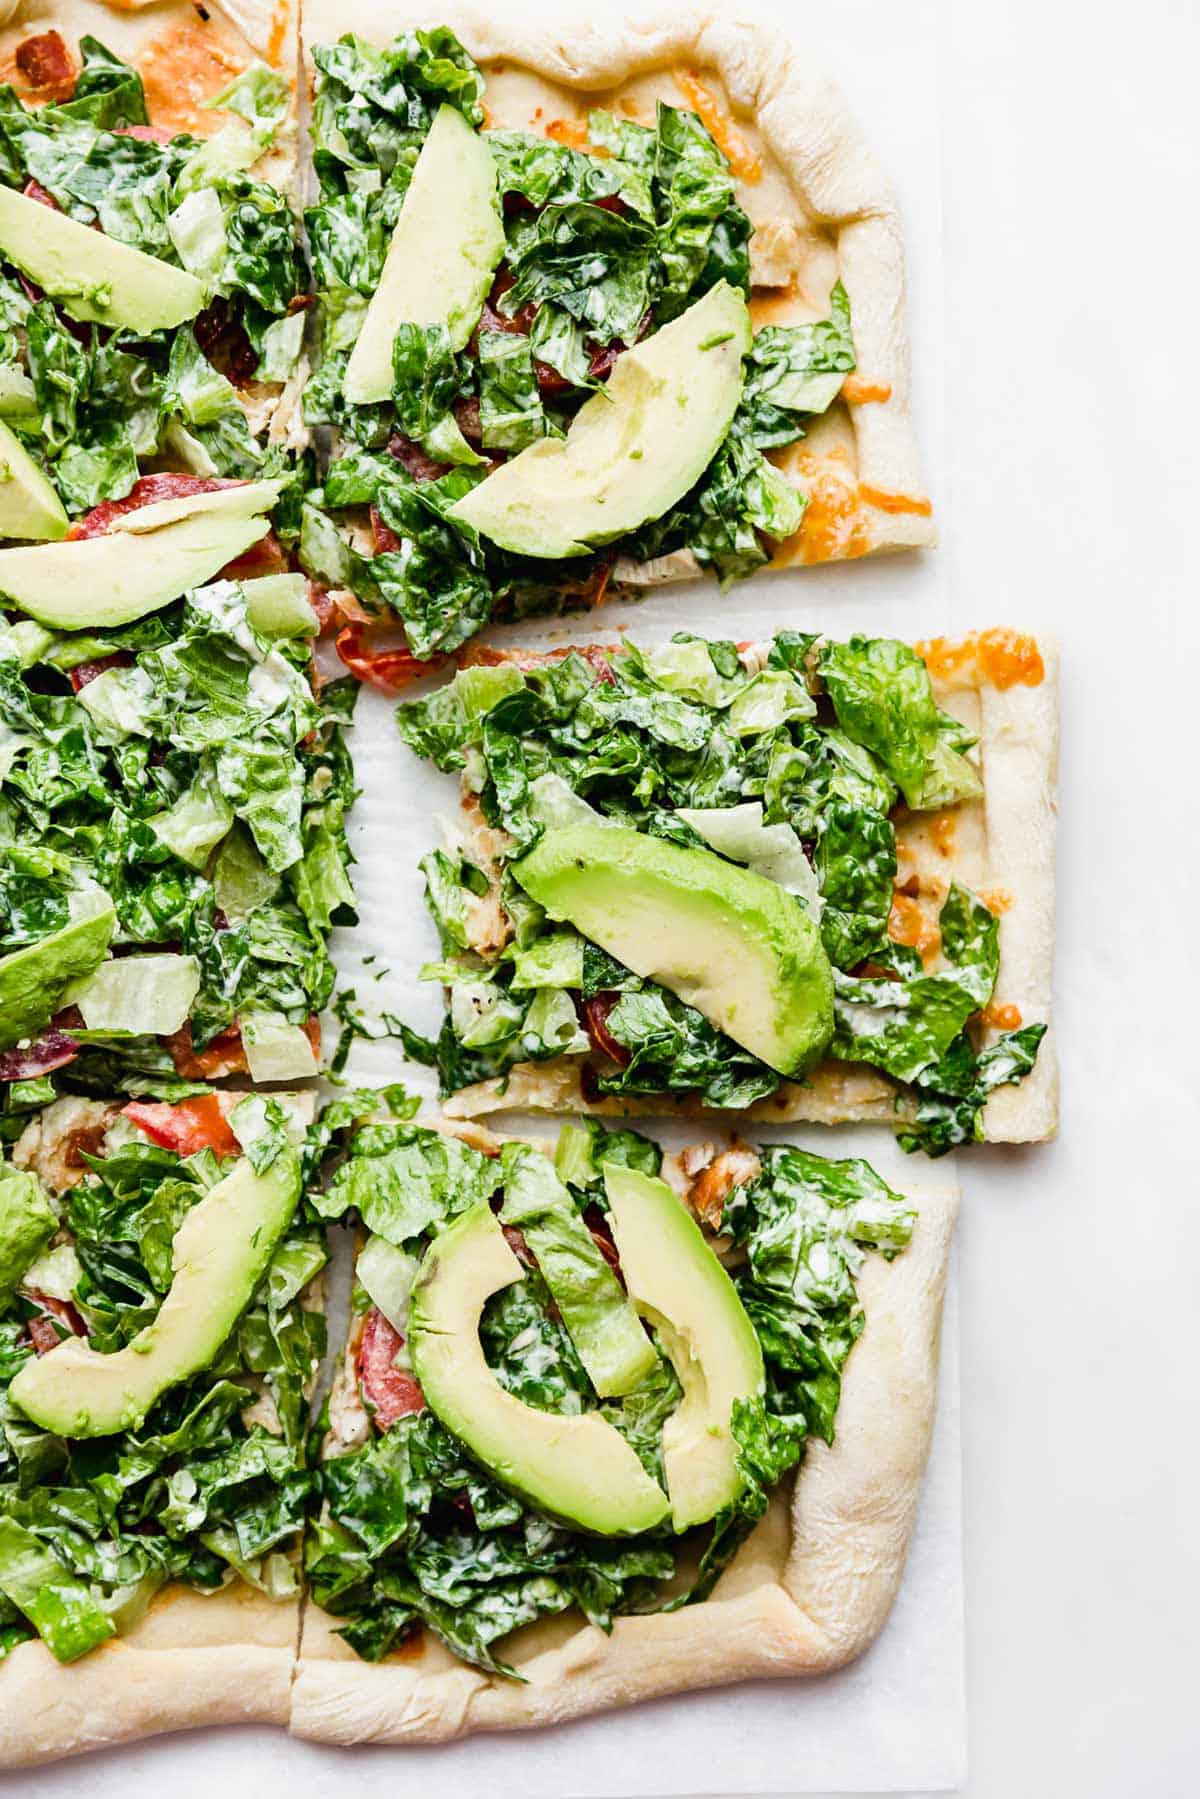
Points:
(677, 1283)
(147, 560)
(445, 248)
(600, 1320)
(221, 1251)
(633, 450)
(577, 1468)
(34, 980)
(728, 942)
(29, 505)
(27, 1223)
(94, 277)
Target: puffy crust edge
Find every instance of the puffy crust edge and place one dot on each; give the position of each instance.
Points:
(192, 1660)
(851, 1519)
(809, 129)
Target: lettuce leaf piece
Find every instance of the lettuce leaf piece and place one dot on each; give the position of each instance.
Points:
(592, 263)
(510, 407)
(793, 371)
(403, 1180)
(856, 866)
(108, 92)
(63, 1611)
(426, 381)
(883, 698)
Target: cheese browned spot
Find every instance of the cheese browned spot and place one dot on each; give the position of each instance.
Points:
(1000, 657)
(1001, 1017)
(184, 67)
(717, 122)
(858, 391)
(910, 925)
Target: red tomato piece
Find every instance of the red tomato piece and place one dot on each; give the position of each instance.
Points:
(390, 1391)
(146, 492)
(83, 672)
(186, 1126)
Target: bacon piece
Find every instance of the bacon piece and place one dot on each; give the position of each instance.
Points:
(597, 1223)
(389, 670)
(412, 458)
(324, 605)
(468, 420)
(515, 1238)
(223, 340)
(734, 1167)
(187, 1126)
(266, 557)
(599, 663)
(145, 492)
(385, 538)
(33, 190)
(224, 1055)
(46, 64)
(390, 1391)
(595, 1015)
(53, 1049)
(42, 1333)
(145, 134)
(83, 672)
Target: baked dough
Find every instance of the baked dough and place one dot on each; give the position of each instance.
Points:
(1002, 847)
(807, 1592)
(821, 205)
(225, 1658)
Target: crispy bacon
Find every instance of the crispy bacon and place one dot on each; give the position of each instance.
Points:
(266, 557)
(385, 538)
(734, 1167)
(595, 1014)
(390, 1391)
(388, 669)
(224, 1055)
(53, 1049)
(223, 340)
(515, 1238)
(412, 458)
(144, 492)
(33, 190)
(46, 64)
(83, 672)
(42, 1333)
(324, 605)
(598, 1225)
(468, 420)
(187, 1126)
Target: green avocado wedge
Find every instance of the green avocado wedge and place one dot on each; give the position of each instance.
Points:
(575, 1467)
(600, 1320)
(29, 505)
(444, 251)
(677, 1283)
(732, 944)
(633, 449)
(221, 1251)
(145, 561)
(34, 979)
(94, 277)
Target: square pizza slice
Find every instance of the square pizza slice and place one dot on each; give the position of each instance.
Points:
(600, 308)
(804, 879)
(161, 1325)
(152, 294)
(604, 1428)
(174, 782)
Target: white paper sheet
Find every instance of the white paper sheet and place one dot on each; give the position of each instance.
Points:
(895, 1721)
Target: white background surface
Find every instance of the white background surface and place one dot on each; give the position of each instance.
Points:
(1066, 497)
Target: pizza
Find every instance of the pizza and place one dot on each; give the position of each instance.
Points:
(675, 207)
(168, 133)
(153, 1493)
(900, 802)
(444, 1604)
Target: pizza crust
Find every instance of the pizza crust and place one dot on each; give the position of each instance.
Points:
(808, 1591)
(822, 205)
(225, 1658)
(1001, 846)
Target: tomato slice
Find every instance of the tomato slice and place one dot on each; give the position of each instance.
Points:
(224, 1054)
(146, 492)
(187, 1126)
(392, 1392)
